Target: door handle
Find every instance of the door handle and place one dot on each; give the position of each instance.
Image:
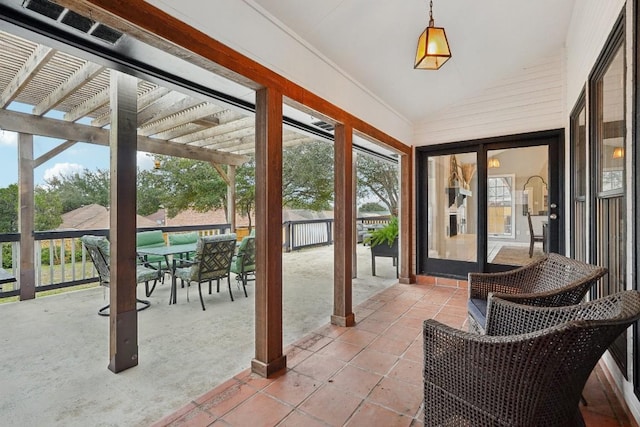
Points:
(553, 216)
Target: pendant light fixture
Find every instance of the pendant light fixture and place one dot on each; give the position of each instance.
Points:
(433, 50)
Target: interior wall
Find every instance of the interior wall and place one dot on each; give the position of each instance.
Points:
(268, 42)
(530, 100)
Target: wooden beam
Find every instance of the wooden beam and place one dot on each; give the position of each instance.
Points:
(246, 122)
(87, 107)
(231, 197)
(144, 101)
(179, 131)
(343, 238)
(38, 59)
(123, 325)
(170, 104)
(405, 219)
(269, 357)
(221, 172)
(26, 216)
(53, 152)
(44, 126)
(189, 115)
(78, 79)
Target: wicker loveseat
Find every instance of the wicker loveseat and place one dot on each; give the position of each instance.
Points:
(531, 378)
(552, 281)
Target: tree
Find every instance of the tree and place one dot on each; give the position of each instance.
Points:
(151, 192)
(79, 189)
(187, 183)
(378, 178)
(372, 207)
(48, 215)
(9, 209)
(307, 176)
(246, 189)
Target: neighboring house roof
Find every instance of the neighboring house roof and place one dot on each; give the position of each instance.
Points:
(193, 217)
(92, 217)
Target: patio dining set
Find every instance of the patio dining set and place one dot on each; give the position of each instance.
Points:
(185, 256)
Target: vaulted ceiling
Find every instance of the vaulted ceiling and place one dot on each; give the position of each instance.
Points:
(374, 42)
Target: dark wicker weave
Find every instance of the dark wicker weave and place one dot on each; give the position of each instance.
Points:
(532, 379)
(551, 281)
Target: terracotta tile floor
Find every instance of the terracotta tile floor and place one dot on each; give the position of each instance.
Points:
(368, 375)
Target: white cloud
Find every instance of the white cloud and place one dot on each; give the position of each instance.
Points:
(145, 161)
(8, 138)
(62, 169)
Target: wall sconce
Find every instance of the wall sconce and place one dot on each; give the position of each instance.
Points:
(433, 49)
(493, 163)
(618, 153)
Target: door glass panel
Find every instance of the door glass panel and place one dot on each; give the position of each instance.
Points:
(579, 176)
(611, 126)
(517, 204)
(453, 207)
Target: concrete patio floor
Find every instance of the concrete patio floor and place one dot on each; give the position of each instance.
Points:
(55, 349)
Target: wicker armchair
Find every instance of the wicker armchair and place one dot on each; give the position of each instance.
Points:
(530, 379)
(551, 281)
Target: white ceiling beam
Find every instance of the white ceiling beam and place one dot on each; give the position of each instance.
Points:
(182, 118)
(27, 72)
(78, 79)
(98, 100)
(221, 129)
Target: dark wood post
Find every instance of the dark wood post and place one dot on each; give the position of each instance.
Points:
(123, 327)
(26, 217)
(269, 358)
(343, 213)
(405, 219)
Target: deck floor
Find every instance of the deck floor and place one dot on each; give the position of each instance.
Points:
(368, 375)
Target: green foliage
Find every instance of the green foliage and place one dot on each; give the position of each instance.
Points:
(151, 193)
(48, 215)
(372, 207)
(187, 183)
(9, 209)
(386, 234)
(81, 188)
(380, 179)
(246, 189)
(307, 176)
(7, 256)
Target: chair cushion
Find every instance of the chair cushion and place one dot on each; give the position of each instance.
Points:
(478, 310)
(183, 238)
(149, 239)
(144, 274)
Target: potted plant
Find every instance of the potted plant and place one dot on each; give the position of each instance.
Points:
(385, 236)
(384, 243)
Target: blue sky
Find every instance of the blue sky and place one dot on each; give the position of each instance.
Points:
(77, 158)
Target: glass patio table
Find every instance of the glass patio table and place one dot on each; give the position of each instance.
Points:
(168, 252)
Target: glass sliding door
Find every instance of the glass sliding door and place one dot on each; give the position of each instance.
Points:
(489, 205)
(517, 204)
(452, 208)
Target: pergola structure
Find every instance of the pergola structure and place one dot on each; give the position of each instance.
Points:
(118, 108)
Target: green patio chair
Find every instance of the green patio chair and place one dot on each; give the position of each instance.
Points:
(99, 251)
(244, 263)
(184, 239)
(211, 262)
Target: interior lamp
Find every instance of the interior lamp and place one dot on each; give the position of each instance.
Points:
(618, 153)
(493, 163)
(433, 50)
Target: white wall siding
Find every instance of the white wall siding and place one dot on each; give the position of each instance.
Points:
(590, 26)
(531, 100)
